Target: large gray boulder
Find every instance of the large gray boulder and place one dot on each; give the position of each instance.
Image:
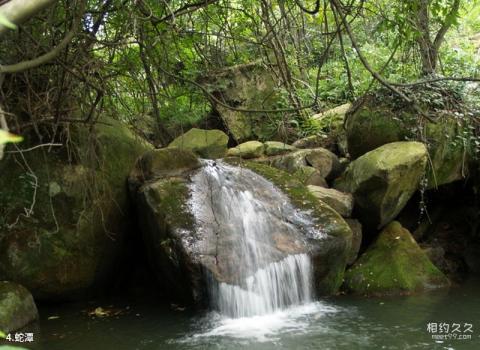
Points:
(186, 253)
(383, 180)
(245, 86)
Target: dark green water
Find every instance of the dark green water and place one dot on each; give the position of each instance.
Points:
(336, 323)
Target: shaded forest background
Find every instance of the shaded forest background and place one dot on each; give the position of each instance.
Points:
(159, 66)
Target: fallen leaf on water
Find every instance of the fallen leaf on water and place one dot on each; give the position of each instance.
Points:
(105, 312)
(53, 317)
(177, 308)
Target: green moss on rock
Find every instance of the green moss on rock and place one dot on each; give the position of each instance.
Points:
(308, 175)
(71, 237)
(383, 180)
(274, 148)
(168, 229)
(247, 150)
(17, 308)
(209, 144)
(330, 252)
(375, 122)
(393, 264)
(159, 163)
(371, 127)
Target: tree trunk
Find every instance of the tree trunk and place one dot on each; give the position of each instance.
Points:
(428, 53)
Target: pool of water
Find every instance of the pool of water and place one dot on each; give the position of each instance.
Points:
(342, 322)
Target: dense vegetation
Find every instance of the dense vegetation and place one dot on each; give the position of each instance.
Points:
(147, 63)
(365, 114)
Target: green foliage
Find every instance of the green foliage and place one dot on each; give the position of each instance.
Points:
(147, 63)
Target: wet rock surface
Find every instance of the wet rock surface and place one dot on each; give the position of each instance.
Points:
(194, 226)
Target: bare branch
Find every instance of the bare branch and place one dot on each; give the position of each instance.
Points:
(25, 65)
(447, 23)
(29, 64)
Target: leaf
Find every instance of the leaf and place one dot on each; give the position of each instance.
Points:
(5, 22)
(2, 335)
(6, 137)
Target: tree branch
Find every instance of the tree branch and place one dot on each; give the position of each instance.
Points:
(304, 9)
(447, 23)
(33, 63)
(362, 58)
(25, 65)
(18, 11)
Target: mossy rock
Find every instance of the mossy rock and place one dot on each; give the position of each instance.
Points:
(63, 221)
(247, 150)
(209, 144)
(374, 122)
(167, 224)
(393, 264)
(308, 175)
(326, 163)
(17, 308)
(341, 202)
(332, 121)
(371, 126)
(357, 232)
(312, 141)
(329, 253)
(274, 148)
(383, 180)
(246, 86)
(161, 163)
(159, 184)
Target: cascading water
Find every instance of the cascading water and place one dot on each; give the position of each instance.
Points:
(274, 287)
(259, 246)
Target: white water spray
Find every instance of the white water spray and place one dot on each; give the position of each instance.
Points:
(258, 241)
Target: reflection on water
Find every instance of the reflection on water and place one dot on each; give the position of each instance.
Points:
(336, 323)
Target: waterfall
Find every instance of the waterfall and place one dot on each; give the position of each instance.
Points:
(257, 241)
(272, 288)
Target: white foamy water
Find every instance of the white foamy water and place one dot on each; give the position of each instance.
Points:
(258, 241)
(265, 328)
(276, 286)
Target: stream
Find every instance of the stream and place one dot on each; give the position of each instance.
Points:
(342, 322)
(261, 293)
